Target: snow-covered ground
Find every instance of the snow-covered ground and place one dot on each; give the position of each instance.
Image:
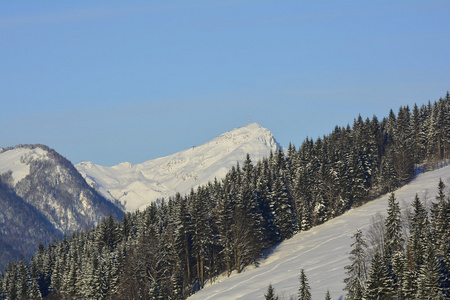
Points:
(321, 251)
(136, 186)
(17, 161)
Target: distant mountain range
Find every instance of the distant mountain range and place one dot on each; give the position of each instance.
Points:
(136, 186)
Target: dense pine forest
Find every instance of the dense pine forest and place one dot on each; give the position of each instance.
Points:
(171, 249)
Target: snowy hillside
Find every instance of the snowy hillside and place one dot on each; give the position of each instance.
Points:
(138, 185)
(42, 197)
(321, 251)
(51, 184)
(17, 160)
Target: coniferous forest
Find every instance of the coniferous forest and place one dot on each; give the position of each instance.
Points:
(171, 249)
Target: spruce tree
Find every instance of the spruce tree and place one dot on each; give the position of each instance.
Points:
(429, 279)
(379, 283)
(356, 271)
(304, 292)
(201, 232)
(441, 222)
(225, 221)
(270, 294)
(415, 247)
(182, 235)
(402, 149)
(393, 238)
(282, 209)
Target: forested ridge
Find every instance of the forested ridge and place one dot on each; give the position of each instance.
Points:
(170, 250)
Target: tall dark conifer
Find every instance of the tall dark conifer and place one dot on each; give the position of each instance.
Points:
(393, 238)
(379, 283)
(304, 291)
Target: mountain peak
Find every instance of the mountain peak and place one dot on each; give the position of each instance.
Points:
(136, 186)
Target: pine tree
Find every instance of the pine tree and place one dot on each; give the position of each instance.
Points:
(356, 271)
(416, 135)
(415, 247)
(398, 274)
(393, 238)
(282, 209)
(306, 217)
(441, 222)
(225, 221)
(388, 179)
(429, 279)
(304, 292)
(22, 280)
(201, 232)
(270, 295)
(327, 295)
(182, 236)
(379, 283)
(402, 149)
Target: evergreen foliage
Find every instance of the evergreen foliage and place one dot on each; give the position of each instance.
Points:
(356, 271)
(171, 249)
(413, 270)
(304, 291)
(270, 295)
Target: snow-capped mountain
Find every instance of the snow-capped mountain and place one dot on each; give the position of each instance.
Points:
(136, 186)
(42, 198)
(322, 251)
(51, 184)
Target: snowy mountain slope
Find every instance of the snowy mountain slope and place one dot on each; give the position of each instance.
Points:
(51, 184)
(136, 186)
(322, 251)
(17, 160)
(43, 197)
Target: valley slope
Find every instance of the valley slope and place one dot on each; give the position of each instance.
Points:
(136, 186)
(322, 251)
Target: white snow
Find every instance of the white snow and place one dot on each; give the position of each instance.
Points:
(322, 251)
(136, 186)
(17, 160)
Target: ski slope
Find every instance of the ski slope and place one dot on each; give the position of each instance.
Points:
(322, 251)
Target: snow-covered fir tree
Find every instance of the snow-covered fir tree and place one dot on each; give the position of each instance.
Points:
(356, 271)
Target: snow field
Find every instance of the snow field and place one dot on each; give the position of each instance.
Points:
(17, 160)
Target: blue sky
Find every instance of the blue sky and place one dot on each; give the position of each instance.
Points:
(113, 81)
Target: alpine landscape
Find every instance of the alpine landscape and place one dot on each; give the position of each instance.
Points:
(224, 150)
(231, 216)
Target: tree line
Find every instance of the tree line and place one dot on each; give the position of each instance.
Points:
(171, 249)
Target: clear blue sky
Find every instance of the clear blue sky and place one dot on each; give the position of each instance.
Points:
(113, 81)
